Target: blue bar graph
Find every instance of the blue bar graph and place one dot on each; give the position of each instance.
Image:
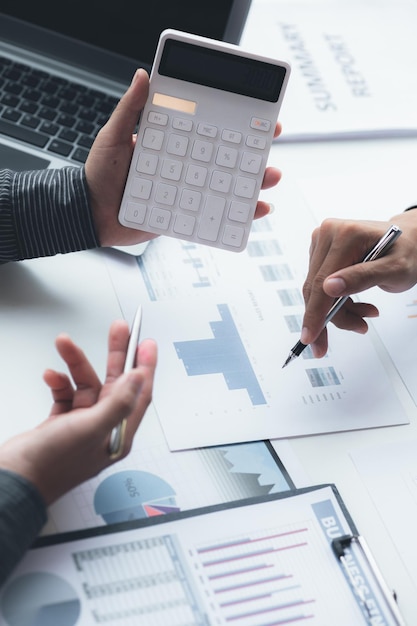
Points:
(225, 354)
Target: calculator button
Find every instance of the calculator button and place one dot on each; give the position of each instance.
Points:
(220, 181)
(153, 138)
(171, 169)
(232, 136)
(147, 163)
(207, 130)
(226, 156)
(202, 151)
(135, 213)
(196, 175)
(160, 218)
(158, 118)
(182, 124)
(165, 194)
(254, 141)
(260, 124)
(239, 211)
(211, 218)
(245, 187)
(141, 188)
(251, 163)
(190, 200)
(184, 225)
(233, 235)
(177, 144)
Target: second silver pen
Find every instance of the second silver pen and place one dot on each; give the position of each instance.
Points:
(117, 434)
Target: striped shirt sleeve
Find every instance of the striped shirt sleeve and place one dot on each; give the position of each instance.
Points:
(43, 213)
(22, 515)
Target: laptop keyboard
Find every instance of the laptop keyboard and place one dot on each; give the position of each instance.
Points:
(50, 112)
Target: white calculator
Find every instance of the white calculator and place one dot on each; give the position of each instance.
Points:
(203, 141)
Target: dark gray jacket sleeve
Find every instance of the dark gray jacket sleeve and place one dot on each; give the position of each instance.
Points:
(43, 213)
(22, 515)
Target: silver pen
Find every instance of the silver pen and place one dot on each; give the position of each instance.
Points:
(118, 432)
(377, 251)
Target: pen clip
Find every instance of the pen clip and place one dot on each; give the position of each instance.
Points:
(383, 244)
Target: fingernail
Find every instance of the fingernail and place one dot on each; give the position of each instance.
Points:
(271, 208)
(335, 286)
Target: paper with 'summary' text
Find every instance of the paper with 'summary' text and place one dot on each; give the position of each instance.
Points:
(353, 65)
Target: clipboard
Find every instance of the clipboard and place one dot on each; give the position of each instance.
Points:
(248, 562)
(366, 580)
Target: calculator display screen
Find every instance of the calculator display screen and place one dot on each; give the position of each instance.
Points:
(221, 70)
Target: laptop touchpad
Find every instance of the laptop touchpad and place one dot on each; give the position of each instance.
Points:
(18, 160)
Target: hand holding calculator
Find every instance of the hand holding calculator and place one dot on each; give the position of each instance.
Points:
(203, 141)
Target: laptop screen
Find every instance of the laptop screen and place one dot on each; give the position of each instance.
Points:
(127, 28)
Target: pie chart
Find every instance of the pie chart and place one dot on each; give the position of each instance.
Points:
(40, 599)
(130, 495)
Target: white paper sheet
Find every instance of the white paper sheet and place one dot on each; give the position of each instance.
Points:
(389, 472)
(353, 65)
(211, 392)
(153, 481)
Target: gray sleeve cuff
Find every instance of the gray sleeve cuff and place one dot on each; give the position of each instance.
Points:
(22, 515)
(43, 213)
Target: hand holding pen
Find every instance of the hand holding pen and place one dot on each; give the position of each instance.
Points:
(377, 251)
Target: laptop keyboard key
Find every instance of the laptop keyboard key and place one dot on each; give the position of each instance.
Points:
(28, 107)
(85, 127)
(68, 135)
(80, 154)
(66, 120)
(86, 141)
(30, 120)
(10, 100)
(14, 88)
(47, 114)
(49, 128)
(11, 114)
(60, 147)
(50, 101)
(23, 133)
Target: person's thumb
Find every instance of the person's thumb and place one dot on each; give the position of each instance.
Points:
(351, 280)
(120, 401)
(124, 118)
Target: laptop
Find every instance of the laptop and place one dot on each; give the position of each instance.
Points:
(64, 65)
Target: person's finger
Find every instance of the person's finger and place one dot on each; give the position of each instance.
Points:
(124, 118)
(147, 360)
(87, 382)
(118, 342)
(271, 178)
(262, 210)
(362, 276)
(350, 317)
(61, 389)
(278, 130)
(320, 345)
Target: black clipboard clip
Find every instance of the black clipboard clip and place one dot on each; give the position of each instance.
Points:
(377, 602)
